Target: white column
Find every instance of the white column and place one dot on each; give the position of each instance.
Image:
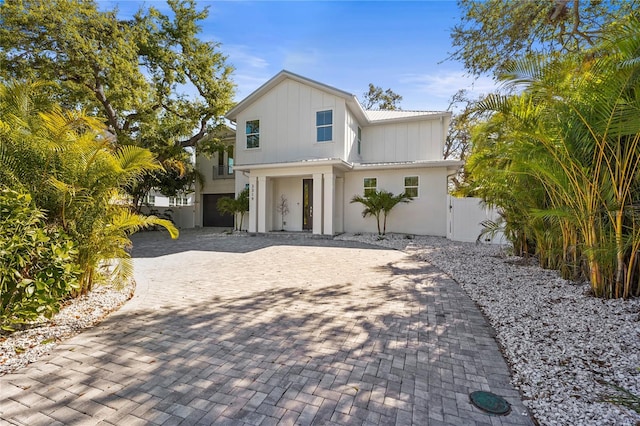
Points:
(262, 204)
(329, 202)
(253, 204)
(317, 203)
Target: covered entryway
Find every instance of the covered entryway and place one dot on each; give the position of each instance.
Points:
(210, 214)
(313, 193)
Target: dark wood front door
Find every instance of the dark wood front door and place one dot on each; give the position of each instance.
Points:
(307, 204)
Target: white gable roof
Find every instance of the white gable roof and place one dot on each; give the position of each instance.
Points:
(364, 116)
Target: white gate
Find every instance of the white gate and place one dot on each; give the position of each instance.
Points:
(464, 219)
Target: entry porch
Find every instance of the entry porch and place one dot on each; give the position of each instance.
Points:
(303, 196)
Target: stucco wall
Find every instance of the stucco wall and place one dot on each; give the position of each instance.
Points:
(425, 215)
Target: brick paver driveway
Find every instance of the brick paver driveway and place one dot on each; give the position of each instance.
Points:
(259, 331)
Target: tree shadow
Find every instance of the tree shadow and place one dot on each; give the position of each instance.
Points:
(406, 349)
(158, 243)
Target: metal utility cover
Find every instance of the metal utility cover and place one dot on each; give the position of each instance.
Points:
(490, 402)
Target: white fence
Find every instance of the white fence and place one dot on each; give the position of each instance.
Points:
(464, 219)
(182, 217)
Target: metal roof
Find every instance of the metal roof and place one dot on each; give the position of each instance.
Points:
(374, 115)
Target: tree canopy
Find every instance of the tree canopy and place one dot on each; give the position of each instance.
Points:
(150, 77)
(494, 31)
(377, 98)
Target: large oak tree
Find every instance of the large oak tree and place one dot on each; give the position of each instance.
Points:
(151, 78)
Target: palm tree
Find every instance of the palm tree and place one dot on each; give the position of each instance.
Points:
(237, 207)
(65, 160)
(380, 203)
(573, 135)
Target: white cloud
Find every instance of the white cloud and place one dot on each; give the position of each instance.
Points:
(445, 84)
(300, 60)
(240, 56)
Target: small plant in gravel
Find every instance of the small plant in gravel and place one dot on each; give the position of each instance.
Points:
(378, 204)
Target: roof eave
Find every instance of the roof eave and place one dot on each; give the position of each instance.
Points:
(449, 164)
(274, 81)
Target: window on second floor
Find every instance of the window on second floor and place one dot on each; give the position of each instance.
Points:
(370, 186)
(253, 134)
(324, 126)
(411, 186)
(359, 141)
(224, 169)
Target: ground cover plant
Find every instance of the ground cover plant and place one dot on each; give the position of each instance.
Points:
(62, 180)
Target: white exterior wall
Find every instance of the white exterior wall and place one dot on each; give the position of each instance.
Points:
(404, 141)
(287, 115)
(425, 215)
(212, 184)
(351, 138)
(182, 217)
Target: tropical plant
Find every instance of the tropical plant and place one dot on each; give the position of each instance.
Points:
(378, 204)
(566, 161)
(235, 206)
(70, 166)
(38, 267)
(150, 77)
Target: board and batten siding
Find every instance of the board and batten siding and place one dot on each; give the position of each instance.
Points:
(404, 141)
(287, 115)
(425, 215)
(351, 136)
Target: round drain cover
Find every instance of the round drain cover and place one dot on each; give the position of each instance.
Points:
(490, 402)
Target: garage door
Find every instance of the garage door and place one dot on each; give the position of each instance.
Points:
(210, 214)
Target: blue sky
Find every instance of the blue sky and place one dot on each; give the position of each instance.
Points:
(346, 44)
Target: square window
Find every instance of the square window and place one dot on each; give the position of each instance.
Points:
(252, 130)
(370, 186)
(324, 126)
(411, 186)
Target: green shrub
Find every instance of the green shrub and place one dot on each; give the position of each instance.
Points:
(38, 268)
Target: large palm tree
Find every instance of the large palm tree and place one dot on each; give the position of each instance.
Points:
(378, 204)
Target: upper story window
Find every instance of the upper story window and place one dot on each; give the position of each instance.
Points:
(411, 186)
(253, 134)
(224, 168)
(359, 141)
(324, 125)
(370, 186)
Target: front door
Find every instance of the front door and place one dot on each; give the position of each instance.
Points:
(307, 204)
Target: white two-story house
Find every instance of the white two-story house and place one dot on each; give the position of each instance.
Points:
(315, 147)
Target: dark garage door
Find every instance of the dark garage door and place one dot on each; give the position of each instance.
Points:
(210, 214)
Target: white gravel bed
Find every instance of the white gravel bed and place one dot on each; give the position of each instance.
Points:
(565, 348)
(25, 346)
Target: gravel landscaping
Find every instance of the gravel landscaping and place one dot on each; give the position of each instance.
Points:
(568, 351)
(24, 347)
